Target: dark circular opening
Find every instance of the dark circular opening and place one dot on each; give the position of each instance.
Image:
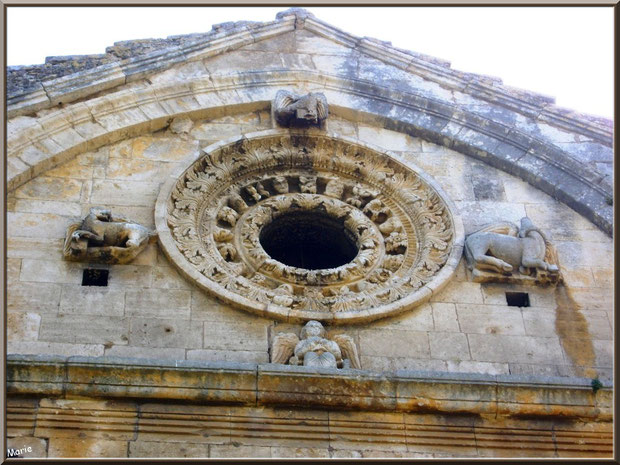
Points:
(310, 240)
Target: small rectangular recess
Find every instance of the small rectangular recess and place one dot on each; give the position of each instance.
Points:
(517, 299)
(95, 277)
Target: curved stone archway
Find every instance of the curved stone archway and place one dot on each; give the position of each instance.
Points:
(42, 143)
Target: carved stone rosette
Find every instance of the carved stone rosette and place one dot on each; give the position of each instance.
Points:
(212, 219)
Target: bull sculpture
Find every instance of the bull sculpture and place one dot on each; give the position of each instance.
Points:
(504, 249)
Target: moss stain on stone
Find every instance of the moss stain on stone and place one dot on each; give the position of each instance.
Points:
(572, 328)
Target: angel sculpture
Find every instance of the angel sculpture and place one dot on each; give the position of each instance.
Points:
(314, 349)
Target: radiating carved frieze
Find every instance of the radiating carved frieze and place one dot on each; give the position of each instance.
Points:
(504, 252)
(314, 349)
(102, 237)
(370, 232)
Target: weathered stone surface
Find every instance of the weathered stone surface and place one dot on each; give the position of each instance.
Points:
(23, 327)
(92, 447)
(25, 447)
(161, 303)
(141, 449)
(92, 300)
(70, 328)
(504, 348)
(155, 332)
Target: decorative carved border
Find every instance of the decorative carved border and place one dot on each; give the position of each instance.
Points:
(210, 212)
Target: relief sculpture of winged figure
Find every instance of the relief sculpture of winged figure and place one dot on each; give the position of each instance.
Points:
(313, 349)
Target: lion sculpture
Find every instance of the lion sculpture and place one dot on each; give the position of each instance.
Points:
(105, 238)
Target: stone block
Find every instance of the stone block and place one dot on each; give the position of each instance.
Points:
(539, 322)
(238, 450)
(376, 364)
(481, 213)
(367, 430)
(240, 336)
(445, 317)
(205, 307)
(22, 326)
(54, 348)
(84, 329)
(161, 303)
(419, 319)
(50, 271)
(128, 193)
(299, 452)
(218, 131)
(155, 332)
(142, 449)
(490, 319)
(13, 269)
(394, 343)
(71, 418)
(589, 299)
(155, 149)
(413, 364)
(244, 356)
(50, 188)
(74, 169)
(91, 448)
(345, 454)
(486, 183)
(43, 206)
(145, 352)
(92, 300)
(495, 294)
(386, 139)
(142, 170)
(449, 346)
(459, 292)
(515, 349)
(37, 225)
(578, 277)
(26, 447)
(166, 277)
(529, 369)
(129, 276)
(42, 297)
(468, 366)
(603, 277)
(604, 353)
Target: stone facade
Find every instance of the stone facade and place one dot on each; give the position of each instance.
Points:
(127, 139)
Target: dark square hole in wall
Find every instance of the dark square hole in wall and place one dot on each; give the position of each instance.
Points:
(518, 299)
(94, 277)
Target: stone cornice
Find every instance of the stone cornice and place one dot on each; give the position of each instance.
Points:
(78, 85)
(282, 385)
(52, 139)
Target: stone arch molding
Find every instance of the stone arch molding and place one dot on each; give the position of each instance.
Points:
(35, 145)
(213, 210)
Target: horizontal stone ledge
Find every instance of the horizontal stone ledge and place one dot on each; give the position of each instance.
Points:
(273, 384)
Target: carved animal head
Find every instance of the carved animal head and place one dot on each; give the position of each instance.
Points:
(101, 213)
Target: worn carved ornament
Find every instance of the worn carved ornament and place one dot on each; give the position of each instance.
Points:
(102, 237)
(503, 252)
(314, 349)
(304, 227)
(291, 110)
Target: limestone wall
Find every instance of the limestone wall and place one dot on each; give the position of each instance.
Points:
(148, 310)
